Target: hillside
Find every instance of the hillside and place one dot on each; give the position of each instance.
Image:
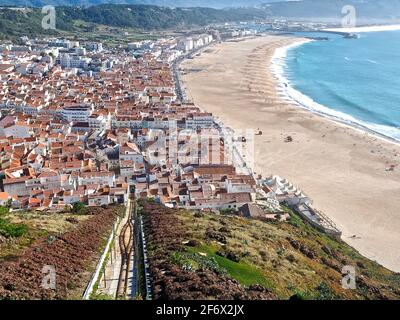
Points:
(171, 3)
(376, 9)
(87, 19)
(140, 17)
(71, 243)
(199, 255)
(320, 9)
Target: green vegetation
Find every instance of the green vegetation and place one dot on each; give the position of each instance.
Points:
(198, 255)
(79, 208)
(243, 272)
(192, 261)
(9, 229)
(227, 211)
(101, 296)
(173, 3)
(70, 242)
(37, 225)
(12, 230)
(99, 21)
(292, 259)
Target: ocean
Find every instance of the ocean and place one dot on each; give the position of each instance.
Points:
(356, 81)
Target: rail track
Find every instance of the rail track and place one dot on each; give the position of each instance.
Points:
(126, 245)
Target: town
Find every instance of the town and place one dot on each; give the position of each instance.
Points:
(83, 123)
(187, 150)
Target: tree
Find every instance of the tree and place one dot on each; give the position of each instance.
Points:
(79, 208)
(3, 211)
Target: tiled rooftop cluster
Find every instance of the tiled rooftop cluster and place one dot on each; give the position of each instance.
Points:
(81, 123)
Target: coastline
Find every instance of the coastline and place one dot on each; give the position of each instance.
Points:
(342, 169)
(377, 28)
(303, 101)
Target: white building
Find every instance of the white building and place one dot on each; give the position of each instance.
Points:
(62, 43)
(17, 131)
(186, 45)
(95, 46)
(70, 61)
(77, 113)
(99, 122)
(80, 51)
(100, 178)
(200, 120)
(130, 152)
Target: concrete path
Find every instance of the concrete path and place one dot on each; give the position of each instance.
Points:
(109, 279)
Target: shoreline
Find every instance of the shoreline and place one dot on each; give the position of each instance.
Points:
(362, 29)
(341, 168)
(284, 86)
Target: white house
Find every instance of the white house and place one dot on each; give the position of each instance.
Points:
(17, 131)
(199, 121)
(97, 177)
(77, 113)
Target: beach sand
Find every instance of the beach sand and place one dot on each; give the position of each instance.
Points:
(342, 169)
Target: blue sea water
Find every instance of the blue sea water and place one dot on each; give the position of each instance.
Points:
(353, 80)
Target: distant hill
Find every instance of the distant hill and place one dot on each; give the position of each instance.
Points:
(141, 17)
(376, 9)
(169, 3)
(145, 17)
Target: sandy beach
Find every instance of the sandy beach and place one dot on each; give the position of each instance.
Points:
(342, 169)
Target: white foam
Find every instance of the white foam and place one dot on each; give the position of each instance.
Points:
(393, 27)
(278, 63)
(372, 61)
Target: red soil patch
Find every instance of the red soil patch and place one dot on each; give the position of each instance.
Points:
(71, 254)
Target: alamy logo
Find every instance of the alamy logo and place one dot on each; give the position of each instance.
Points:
(49, 20)
(349, 19)
(349, 277)
(49, 279)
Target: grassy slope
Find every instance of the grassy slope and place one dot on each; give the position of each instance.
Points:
(243, 272)
(267, 257)
(39, 225)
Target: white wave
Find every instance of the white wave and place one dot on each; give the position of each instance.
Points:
(284, 87)
(393, 27)
(372, 61)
